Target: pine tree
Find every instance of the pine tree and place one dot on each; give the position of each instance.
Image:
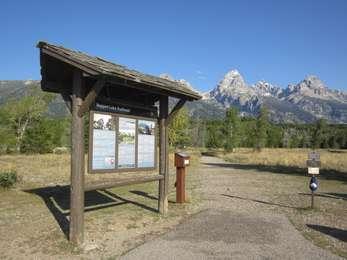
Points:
(262, 126)
(232, 129)
(319, 134)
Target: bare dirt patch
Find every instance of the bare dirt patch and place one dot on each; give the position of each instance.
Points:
(258, 185)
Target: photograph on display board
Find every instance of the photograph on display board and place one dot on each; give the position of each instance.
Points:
(104, 142)
(126, 142)
(146, 144)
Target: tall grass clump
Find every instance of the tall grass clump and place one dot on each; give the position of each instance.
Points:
(8, 178)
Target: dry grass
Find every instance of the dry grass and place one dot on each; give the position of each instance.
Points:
(32, 229)
(330, 160)
(54, 169)
(283, 178)
(32, 219)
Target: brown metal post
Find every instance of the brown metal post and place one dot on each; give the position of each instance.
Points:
(180, 185)
(312, 200)
(77, 164)
(163, 155)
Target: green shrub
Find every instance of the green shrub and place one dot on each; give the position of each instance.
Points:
(8, 179)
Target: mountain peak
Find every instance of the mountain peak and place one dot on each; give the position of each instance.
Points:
(313, 82)
(233, 73)
(264, 88)
(232, 80)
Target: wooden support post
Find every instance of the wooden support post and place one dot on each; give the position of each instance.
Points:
(163, 155)
(77, 163)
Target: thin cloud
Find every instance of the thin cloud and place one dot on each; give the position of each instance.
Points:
(200, 75)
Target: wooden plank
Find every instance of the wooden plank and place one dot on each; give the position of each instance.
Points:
(118, 183)
(90, 98)
(77, 164)
(71, 61)
(163, 155)
(96, 66)
(53, 86)
(175, 110)
(122, 81)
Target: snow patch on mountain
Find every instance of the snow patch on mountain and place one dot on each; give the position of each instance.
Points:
(305, 101)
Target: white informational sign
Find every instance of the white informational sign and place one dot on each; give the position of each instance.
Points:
(146, 143)
(104, 142)
(121, 142)
(126, 142)
(313, 170)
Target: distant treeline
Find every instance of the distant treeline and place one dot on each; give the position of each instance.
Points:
(26, 128)
(234, 131)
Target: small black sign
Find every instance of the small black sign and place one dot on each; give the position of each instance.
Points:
(313, 163)
(112, 108)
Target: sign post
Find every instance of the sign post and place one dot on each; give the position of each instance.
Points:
(313, 164)
(181, 161)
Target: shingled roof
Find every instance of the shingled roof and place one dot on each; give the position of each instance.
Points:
(96, 66)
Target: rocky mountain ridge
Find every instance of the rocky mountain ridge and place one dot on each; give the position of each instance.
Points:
(306, 101)
(303, 102)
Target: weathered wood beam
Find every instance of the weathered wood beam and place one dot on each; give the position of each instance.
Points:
(55, 86)
(118, 183)
(163, 155)
(67, 99)
(72, 62)
(144, 87)
(77, 163)
(121, 102)
(90, 98)
(175, 110)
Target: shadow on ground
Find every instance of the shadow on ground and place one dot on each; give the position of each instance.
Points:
(57, 200)
(148, 196)
(281, 169)
(329, 195)
(262, 202)
(337, 233)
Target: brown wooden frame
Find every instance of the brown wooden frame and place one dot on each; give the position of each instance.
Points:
(84, 80)
(115, 170)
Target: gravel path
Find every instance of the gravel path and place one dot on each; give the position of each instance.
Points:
(230, 228)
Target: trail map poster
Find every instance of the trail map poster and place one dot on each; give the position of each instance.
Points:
(126, 144)
(120, 142)
(146, 143)
(104, 142)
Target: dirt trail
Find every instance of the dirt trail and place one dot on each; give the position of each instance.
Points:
(230, 226)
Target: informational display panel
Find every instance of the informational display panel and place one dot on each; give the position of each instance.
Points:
(126, 143)
(104, 142)
(146, 143)
(120, 142)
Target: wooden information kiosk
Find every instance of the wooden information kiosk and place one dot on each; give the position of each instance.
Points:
(123, 122)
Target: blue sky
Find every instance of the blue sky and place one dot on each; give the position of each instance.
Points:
(277, 41)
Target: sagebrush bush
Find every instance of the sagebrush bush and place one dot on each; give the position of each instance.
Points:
(8, 179)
